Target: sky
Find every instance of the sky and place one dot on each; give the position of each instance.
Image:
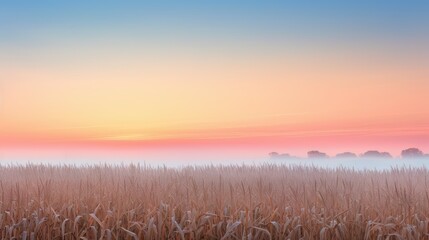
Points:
(232, 77)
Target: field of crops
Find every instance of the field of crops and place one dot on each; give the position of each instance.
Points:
(212, 202)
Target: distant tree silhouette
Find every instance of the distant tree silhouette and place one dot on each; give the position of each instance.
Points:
(412, 153)
(273, 154)
(376, 154)
(276, 155)
(316, 154)
(346, 155)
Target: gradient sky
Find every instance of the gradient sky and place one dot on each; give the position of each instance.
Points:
(247, 76)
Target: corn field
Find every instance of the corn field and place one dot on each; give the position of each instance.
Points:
(212, 202)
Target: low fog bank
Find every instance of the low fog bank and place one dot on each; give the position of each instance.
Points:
(409, 153)
(169, 161)
(358, 163)
(371, 160)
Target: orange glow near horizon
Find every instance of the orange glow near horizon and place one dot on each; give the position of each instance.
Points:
(278, 100)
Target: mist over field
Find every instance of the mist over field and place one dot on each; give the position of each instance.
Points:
(369, 160)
